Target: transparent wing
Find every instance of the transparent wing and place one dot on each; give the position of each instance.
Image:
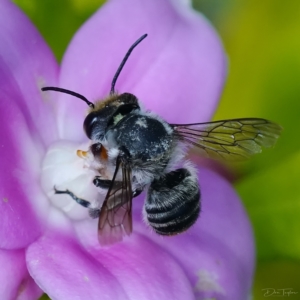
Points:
(115, 220)
(229, 139)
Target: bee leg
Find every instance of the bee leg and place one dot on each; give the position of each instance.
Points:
(93, 212)
(80, 201)
(105, 184)
(102, 183)
(136, 192)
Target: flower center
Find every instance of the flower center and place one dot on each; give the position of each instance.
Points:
(66, 168)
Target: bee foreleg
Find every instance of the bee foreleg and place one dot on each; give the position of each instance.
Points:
(80, 201)
(93, 212)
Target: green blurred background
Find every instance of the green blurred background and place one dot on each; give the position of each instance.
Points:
(262, 40)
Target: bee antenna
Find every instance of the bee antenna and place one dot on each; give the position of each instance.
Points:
(112, 90)
(51, 88)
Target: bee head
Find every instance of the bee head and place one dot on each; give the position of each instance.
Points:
(106, 114)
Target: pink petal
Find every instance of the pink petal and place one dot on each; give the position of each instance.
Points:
(130, 270)
(65, 271)
(21, 198)
(219, 248)
(28, 126)
(178, 71)
(146, 271)
(16, 283)
(32, 65)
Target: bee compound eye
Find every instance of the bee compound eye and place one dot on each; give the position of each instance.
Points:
(90, 125)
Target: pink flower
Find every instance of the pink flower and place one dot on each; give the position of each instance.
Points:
(47, 242)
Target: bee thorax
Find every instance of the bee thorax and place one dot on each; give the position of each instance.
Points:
(146, 139)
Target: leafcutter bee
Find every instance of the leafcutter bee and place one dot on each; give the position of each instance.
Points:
(135, 150)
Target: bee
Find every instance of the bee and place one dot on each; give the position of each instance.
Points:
(135, 150)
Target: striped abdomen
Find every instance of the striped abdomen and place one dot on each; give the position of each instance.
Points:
(173, 202)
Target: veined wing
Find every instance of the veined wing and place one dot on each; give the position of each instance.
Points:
(229, 139)
(115, 220)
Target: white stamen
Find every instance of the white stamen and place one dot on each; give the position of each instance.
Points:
(64, 170)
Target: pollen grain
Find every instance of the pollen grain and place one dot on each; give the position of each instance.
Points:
(82, 154)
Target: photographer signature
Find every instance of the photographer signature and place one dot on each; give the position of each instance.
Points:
(269, 292)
